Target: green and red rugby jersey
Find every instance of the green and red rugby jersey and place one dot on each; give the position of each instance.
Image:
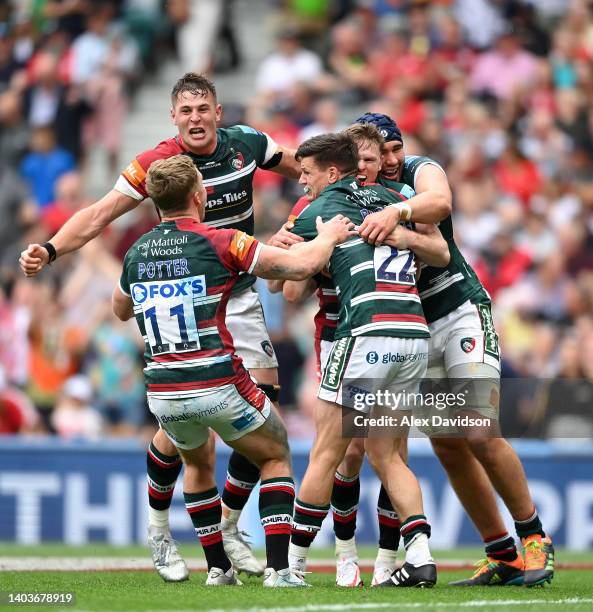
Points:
(442, 290)
(375, 286)
(180, 276)
(227, 176)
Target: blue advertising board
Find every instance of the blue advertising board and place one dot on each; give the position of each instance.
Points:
(83, 492)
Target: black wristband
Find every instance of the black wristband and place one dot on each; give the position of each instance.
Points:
(51, 251)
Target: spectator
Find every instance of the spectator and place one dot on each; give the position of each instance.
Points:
(288, 65)
(74, 415)
(43, 166)
(514, 68)
(17, 413)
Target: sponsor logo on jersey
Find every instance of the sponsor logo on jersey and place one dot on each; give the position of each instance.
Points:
(134, 173)
(267, 348)
(468, 344)
(163, 289)
(240, 245)
(162, 246)
(232, 197)
(238, 161)
(372, 357)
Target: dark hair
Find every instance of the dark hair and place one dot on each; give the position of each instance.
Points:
(337, 150)
(195, 84)
(170, 182)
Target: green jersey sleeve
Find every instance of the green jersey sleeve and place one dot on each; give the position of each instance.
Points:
(413, 164)
(263, 146)
(305, 225)
(124, 283)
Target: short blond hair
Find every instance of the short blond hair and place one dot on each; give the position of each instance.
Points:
(365, 132)
(171, 181)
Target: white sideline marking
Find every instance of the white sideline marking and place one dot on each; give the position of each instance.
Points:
(480, 603)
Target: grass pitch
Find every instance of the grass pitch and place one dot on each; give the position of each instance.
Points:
(144, 590)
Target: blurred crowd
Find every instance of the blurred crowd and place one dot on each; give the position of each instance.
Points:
(500, 92)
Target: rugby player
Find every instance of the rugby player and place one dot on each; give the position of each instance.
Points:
(379, 313)
(430, 248)
(194, 379)
(464, 345)
(227, 159)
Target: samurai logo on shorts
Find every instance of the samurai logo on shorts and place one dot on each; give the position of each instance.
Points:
(237, 162)
(468, 344)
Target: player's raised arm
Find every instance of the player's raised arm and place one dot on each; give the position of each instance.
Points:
(426, 242)
(83, 226)
(310, 258)
(288, 165)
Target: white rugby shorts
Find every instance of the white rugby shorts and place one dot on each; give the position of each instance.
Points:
(245, 320)
(356, 367)
(187, 421)
(464, 336)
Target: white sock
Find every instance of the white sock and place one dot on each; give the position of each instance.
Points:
(386, 558)
(158, 518)
(418, 552)
(297, 557)
(346, 548)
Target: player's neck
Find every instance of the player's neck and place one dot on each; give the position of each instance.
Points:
(183, 215)
(201, 151)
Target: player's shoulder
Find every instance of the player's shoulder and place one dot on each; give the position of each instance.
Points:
(241, 133)
(413, 163)
(302, 203)
(401, 188)
(163, 150)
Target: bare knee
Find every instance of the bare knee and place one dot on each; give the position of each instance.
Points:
(383, 460)
(485, 449)
(353, 458)
(163, 444)
(451, 452)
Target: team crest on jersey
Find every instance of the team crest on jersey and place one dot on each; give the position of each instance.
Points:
(238, 161)
(468, 344)
(143, 248)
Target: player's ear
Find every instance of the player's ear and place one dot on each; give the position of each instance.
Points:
(333, 175)
(172, 113)
(218, 112)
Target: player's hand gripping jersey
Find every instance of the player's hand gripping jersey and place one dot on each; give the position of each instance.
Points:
(180, 276)
(376, 287)
(227, 176)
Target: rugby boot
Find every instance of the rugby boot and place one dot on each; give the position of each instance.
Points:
(284, 578)
(539, 560)
(238, 550)
(216, 577)
(423, 576)
(492, 572)
(347, 572)
(165, 556)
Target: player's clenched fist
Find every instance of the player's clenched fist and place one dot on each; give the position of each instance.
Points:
(33, 258)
